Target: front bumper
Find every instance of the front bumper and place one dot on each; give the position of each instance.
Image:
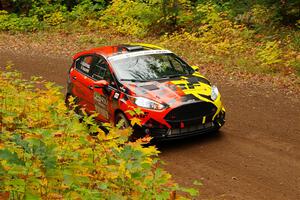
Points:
(179, 133)
(159, 132)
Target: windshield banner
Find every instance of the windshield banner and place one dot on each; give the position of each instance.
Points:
(139, 53)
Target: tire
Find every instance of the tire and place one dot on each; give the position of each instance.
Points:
(70, 107)
(121, 117)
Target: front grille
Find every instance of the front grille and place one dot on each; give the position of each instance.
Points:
(158, 132)
(195, 129)
(191, 114)
(176, 133)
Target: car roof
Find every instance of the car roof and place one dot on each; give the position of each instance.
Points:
(108, 51)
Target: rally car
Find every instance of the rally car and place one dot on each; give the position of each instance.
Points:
(174, 98)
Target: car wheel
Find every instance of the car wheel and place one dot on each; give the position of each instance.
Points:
(68, 104)
(121, 118)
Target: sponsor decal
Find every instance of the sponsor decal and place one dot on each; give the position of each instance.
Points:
(139, 53)
(116, 95)
(101, 103)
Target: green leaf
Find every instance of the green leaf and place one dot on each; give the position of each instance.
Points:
(198, 183)
(193, 192)
(136, 175)
(30, 196)
(130, 112)
(138, 111)
(103, 186)
(19, 184)
(11, 157)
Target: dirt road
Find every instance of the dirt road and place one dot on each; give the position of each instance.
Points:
(255, 156)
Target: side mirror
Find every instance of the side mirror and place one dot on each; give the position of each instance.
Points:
(196, 68)
(100, 84)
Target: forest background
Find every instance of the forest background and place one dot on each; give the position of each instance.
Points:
(260, 36)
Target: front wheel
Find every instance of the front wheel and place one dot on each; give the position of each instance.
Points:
(72, 105)
(121, 121)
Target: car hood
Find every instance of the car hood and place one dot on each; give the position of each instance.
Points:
(174, 91)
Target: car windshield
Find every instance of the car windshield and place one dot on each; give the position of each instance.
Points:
(150, 67)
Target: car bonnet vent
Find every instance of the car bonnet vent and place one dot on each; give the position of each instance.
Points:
(132, 48)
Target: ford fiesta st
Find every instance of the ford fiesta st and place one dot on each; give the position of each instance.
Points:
(176, 100)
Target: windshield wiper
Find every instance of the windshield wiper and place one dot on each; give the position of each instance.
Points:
(166, 77)
(173, 76)
(132, 80)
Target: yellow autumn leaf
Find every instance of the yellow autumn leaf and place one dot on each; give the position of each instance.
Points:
(134, 121)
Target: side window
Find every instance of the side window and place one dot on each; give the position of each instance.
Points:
(109, 78)
(179, 66)
(99, 68)
(95, 67)
(83, 64)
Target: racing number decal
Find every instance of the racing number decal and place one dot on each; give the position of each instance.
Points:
(101, 103)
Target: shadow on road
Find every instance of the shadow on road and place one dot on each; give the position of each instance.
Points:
(190, 142)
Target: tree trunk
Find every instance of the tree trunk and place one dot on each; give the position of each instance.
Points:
(175, 11)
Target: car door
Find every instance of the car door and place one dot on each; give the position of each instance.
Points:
(103, 96)
(82, 81)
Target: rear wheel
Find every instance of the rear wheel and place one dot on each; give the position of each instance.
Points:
(72, 104)
(68, 98)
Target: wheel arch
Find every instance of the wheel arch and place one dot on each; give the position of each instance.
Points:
(117, 111)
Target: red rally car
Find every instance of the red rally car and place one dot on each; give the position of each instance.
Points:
(176, 100)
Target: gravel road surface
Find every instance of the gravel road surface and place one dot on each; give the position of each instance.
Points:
(255, 156)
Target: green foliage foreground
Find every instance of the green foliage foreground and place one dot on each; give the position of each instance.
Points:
(46, 153)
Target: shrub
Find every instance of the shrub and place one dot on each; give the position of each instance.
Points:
(46, 153)
(270, 54)
(11, 22)
(131, 17)
(87, 10)
(259, 16)
(54, 19)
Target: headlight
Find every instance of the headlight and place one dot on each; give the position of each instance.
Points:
(147, 103)
(214, 92)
